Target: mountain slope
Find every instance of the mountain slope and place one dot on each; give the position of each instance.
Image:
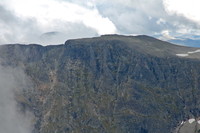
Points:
(108, 84)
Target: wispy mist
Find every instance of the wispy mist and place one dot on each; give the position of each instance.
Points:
(12, 120)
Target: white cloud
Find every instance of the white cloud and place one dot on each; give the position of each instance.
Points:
(51, 13)
(29, 19)
(77, 19)
(150, 17)
(187, 8)
(160, 21)
(132, 16)
(166, 35)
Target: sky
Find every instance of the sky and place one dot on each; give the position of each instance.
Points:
(55, 21)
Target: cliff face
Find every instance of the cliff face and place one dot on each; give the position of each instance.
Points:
(109, 84)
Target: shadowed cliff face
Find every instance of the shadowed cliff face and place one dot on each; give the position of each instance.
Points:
(108, 84)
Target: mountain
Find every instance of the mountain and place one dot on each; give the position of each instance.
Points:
(109, 84)
(52, 37)
(187, 42)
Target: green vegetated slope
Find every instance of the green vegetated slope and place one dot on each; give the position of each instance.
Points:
(108, 84)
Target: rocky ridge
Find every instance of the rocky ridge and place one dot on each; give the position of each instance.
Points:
(108, 84)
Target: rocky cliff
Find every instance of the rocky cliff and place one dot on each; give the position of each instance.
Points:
(108, 84)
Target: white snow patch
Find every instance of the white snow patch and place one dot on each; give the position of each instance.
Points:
(191, 120)
(187, 54)
(192, 52)
(182, 55)
(182, 122)
(198, 121)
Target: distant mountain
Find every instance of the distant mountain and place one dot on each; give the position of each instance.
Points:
(187, 42)
(51, 37)
(109, 84)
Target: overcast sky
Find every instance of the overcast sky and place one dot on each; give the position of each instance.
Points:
(54, 21)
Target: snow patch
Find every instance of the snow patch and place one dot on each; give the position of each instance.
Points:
(187, 54)
(191, 120)
(198, 121)
(192, 52)
(182, 55)
(182, 122)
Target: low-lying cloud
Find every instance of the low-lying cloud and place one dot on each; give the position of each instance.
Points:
(12, 120)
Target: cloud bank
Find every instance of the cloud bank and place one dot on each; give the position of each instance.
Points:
(12, 120)
(30, 21)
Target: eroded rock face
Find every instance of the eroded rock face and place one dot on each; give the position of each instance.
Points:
(110, 84)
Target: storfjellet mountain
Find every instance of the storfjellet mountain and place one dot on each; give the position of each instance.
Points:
(109, 84)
